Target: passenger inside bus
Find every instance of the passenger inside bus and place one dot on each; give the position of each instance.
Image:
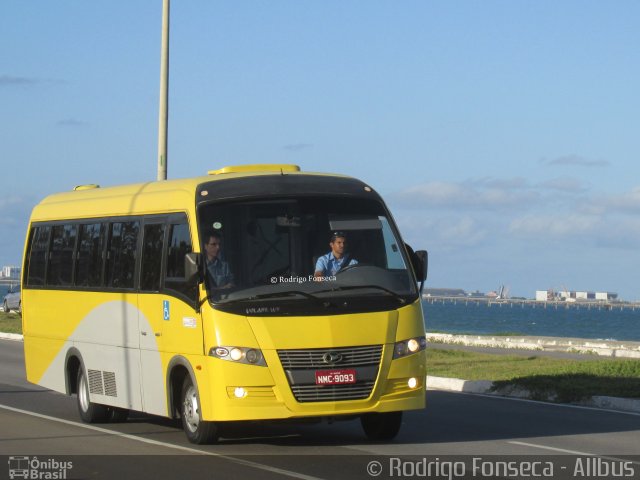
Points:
(337, 259)
(218, 271)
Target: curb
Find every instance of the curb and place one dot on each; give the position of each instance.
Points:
(605, 348)
(484, 387)
(11, 336)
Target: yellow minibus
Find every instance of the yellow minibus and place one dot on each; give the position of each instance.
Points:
(255, 292)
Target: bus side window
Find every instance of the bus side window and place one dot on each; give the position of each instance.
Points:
(38, 256)
(89, 258)
(63, 242)
(152, 257)
(121, 254)
(179, 245)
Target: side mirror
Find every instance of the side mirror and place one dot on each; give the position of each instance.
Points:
(419, 262)
(421, 265)
(193, 268)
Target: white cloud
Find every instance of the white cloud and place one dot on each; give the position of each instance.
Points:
(475, 194)
(553, 225)
(628, 202)
(446, 233)
(463, 231)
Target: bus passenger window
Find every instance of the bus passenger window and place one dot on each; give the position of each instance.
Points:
(38, 255)
(121, 252)
(89, 259)
(63, 242)
(152, 257)
(179, 246)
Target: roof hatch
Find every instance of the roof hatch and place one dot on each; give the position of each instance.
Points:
(265, 167)
(90, 186)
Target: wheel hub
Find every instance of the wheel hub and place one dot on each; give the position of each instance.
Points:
(190, 409)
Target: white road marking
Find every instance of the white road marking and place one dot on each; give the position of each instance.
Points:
(572, 452)
(239, 461)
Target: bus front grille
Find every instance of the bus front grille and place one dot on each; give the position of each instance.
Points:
(301, 366)
(315, 358)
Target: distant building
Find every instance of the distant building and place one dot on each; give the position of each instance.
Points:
(12, 273)
(477, 294)
(573, 296)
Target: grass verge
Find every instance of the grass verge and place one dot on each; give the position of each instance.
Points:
(10, 322)
(564, 380)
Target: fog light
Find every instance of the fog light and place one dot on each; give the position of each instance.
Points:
(413, 382)
(236, 354)
(240, 392)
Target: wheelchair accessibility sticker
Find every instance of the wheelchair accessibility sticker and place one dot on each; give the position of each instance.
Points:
(165, 310)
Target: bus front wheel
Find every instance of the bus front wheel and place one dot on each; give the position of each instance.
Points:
(381, 426)
(89, 412)
(197, 430)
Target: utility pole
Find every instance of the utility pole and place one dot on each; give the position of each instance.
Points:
(164, 94)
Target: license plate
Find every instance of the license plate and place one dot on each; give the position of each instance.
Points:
(335, 377)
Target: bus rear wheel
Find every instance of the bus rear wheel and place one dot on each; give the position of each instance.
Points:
(89, 412)
(381, 426)
(197, 430)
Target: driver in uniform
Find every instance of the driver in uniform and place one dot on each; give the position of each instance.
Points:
(337, 259)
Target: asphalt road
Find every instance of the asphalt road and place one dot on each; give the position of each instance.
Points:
(35, 422)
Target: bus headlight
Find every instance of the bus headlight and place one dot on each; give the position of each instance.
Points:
(251, 356)
(408, 347)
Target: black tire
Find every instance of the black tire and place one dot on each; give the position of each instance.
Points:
(197, 430)
(5, 307)
(89, 412)
(381, 426)
(117, 414)
(20, 308)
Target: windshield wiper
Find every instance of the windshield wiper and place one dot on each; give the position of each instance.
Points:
(338, 288)
(262, 296)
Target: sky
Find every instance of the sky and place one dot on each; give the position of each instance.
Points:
(503, 135)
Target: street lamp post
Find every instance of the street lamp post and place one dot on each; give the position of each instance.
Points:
(164, 94)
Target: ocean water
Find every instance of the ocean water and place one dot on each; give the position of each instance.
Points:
(577, 322)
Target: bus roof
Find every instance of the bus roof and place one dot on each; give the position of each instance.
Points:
(179, 195)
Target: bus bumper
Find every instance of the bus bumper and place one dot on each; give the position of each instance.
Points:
(249, 392)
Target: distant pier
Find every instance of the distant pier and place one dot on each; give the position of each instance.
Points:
(515, 302)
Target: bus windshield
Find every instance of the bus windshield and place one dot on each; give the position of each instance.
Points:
(278, 256)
